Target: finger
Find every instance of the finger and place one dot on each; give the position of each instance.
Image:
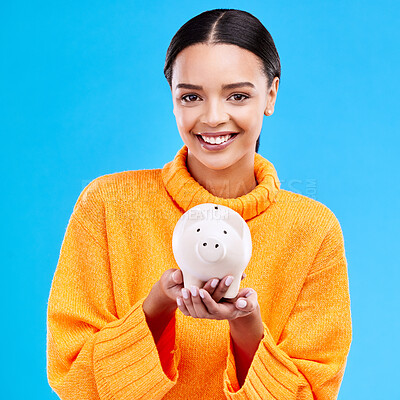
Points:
(222, 288)
(250, 292)
(181, 306)
(241, 293)
(209, 303)
(242, 304)
(177, 276)
(211, 285)
(199, 307)
(247, 302)
(219, 311)
(187, 300)
(172, 281)
(168, 286)
(175, 283)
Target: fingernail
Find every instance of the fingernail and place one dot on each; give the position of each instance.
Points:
(229, 280)
(250, 293)
(178, 300)
(201, 293)
(214, 283)
(193, 290)
(185, 293)
(241, 303)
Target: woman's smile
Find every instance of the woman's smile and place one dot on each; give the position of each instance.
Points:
(217, 141)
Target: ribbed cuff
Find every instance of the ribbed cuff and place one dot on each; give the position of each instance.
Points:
(126, 360)
(272, 375)
(168, 352)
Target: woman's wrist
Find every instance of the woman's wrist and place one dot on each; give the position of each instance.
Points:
(157, 303)
(158, 312)
(246, 333)
(252, 320)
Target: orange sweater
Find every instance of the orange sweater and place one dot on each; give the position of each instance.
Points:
(118, 244)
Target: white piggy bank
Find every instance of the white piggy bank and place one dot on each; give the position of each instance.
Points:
(211, 240)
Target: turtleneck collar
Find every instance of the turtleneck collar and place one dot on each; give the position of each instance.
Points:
(187, 192)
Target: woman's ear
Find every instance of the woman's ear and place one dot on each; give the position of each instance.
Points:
(268, 111)
(272, 92)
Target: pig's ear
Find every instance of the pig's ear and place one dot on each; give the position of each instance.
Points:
(236, 222)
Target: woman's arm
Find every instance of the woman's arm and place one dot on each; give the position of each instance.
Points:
(246, 333)
(309, 359)
(158, 312)
(92, 353)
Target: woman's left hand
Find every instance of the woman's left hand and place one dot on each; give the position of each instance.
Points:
(197, 307)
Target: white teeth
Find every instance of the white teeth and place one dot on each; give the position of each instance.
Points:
(216, 140)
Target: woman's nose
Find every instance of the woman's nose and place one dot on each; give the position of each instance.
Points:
(214, 114)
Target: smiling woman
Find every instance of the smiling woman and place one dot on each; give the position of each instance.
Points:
(233, 27)
(220, 95)
(121, 324)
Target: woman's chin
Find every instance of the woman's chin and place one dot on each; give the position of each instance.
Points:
(211, 161)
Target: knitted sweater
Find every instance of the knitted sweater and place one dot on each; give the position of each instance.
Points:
(118, 244)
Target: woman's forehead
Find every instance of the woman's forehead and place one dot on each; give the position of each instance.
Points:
(218, 62)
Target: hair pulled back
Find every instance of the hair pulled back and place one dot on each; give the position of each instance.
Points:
(227, 26)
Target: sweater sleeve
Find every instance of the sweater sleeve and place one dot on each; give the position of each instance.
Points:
(309, 360)
(91, 352)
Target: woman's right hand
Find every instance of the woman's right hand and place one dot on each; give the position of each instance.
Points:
(159, 306)
(170, 285)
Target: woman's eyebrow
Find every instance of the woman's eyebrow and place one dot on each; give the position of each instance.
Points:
(238, 85)
(228, 86)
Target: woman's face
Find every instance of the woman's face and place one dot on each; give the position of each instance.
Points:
(220, 90)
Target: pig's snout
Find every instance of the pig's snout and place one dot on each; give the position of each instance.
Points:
(211, 249)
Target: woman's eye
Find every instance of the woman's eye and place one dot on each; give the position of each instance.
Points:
(188, 98)
(239, 97)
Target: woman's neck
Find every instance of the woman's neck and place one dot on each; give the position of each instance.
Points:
(232, 182)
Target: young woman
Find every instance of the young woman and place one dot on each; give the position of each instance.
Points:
(120, 324)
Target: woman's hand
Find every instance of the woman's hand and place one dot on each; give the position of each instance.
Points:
(160, 305)
(192, 303)
(170, 285)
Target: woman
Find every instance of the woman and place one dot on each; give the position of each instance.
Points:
(120, 324)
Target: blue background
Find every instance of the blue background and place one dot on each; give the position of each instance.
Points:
(82, 94)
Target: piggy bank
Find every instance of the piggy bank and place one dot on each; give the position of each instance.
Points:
(211, 240)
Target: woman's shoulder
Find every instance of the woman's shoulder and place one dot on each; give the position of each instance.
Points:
(305, 211)
(297, 200)
(120, 185)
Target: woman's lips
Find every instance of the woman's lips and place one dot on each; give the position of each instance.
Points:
(216, 147)
(216, 134)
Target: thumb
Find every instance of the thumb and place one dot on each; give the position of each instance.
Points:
(177, 276)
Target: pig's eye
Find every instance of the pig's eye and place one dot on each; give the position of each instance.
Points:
(225, 232)
(198, 230)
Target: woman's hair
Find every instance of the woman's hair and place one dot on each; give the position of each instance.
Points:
(231, 27)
